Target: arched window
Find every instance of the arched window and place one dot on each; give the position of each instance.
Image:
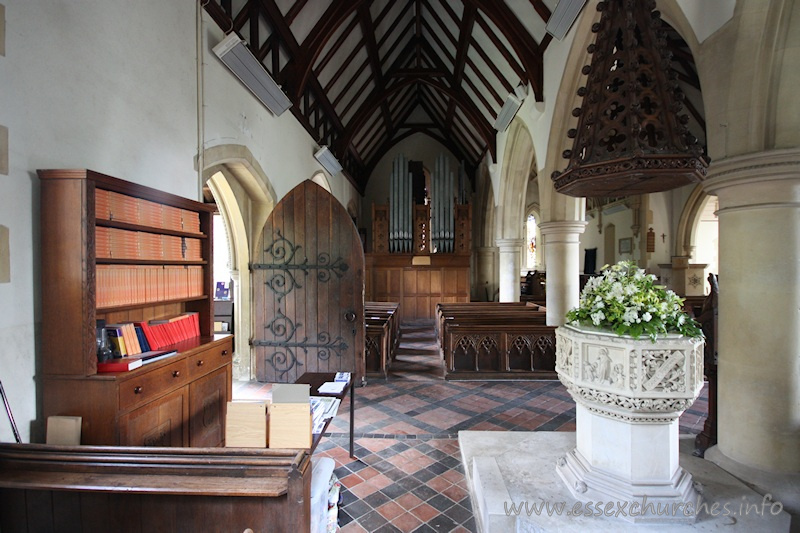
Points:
(530, 242)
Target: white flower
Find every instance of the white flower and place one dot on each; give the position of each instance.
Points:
(631, 297)
(630, 316)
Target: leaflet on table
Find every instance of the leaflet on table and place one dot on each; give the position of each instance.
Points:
(331, 387)
(326, 406)
(342, 376)
(322, 409)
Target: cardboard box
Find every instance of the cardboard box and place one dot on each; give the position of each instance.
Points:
(290, 416)
(64, 430)
(290, 425)
(246, 424)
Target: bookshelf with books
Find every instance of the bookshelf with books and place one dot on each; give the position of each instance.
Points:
(138, 260)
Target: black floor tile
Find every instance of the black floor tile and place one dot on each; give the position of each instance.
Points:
(376, 499)
(442, 523)
(372, 521)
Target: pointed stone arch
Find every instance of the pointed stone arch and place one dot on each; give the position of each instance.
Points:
(245, 198)
(518, 159)
(556, 206)
(484, 275)
(320, 179)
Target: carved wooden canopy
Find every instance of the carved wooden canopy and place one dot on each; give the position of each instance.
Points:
(631, 138)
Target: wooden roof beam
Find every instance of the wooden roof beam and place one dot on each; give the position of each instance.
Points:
(335, 47)
(475, 118)
(319, 36)
(495, 71)
(541, 9)
(368, 28)
(528, 51)
(464, 34)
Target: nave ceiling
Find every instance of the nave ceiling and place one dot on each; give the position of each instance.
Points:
(363, 75)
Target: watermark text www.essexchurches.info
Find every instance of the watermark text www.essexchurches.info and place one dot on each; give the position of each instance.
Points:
(645, 508)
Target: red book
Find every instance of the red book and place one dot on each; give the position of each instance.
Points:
(174, 330)
(165, 340)
(186, 326)
(149, 335)
(122, 364)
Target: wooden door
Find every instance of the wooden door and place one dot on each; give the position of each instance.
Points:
(308, 289)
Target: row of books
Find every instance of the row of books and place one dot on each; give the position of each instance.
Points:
(128, 338)
(137, 284)
(114, 243)
(136, 343)
(168, 331)
(111, 205)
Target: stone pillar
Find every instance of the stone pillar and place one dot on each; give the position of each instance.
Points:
(509, 269)
(562, 239)
(759, 308)
(486, 274)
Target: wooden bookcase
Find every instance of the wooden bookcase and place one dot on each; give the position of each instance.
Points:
(177, 401)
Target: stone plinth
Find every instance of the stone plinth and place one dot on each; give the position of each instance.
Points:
(629, 395)
(514, 488)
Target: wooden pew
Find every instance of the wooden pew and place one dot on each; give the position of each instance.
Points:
(499, 341)
(446, 311)
(380, 342)
(104, 488)
(391, 311)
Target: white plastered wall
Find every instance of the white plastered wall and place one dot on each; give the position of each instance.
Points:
(114, 87)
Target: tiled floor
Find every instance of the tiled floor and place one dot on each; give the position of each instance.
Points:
(408, 476)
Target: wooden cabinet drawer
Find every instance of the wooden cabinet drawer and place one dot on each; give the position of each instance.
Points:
(148, 386)
(208, 360)
(159, 423)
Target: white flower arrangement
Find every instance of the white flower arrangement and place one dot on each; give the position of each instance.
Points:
(627, 301)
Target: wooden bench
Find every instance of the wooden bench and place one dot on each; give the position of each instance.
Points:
(499, 341)
(104, 488)
(382, 332)
(445, 311)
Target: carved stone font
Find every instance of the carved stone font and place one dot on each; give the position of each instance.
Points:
(629, 395)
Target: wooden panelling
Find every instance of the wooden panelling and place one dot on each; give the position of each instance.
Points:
(48, 488)
(208, 399)
(159, 423)
(417, 288)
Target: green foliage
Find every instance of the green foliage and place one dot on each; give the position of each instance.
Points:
(627, 301)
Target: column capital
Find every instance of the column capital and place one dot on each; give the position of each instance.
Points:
(506, 245)
(758, 180)
(562, 227)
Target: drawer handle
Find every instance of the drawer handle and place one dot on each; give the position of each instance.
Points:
(200, 362)
(137, 390)
(224, 352)
(176, 373)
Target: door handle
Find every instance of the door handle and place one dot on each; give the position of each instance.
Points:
(350, 316)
